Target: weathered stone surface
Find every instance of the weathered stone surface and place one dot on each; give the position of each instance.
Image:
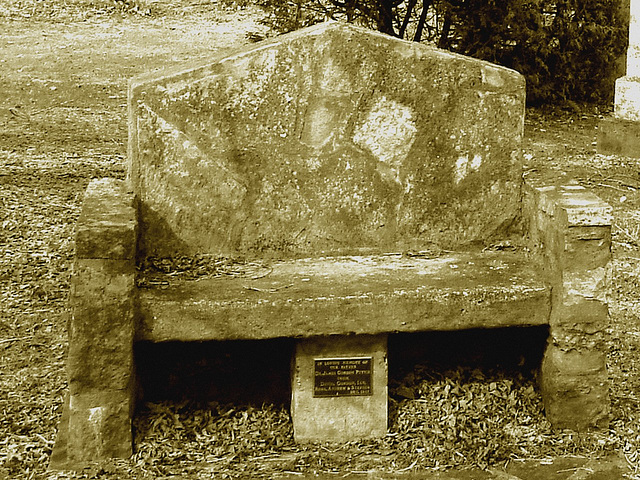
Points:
(574, 206)
(102, 301)
(330, 139)
(617, 136)
(97, 418)
(570, 232)
(339, 419)
(107, 227)
(100, 364)
(626, 106)
(582, 313)
(103, 426)
(575, 388)
(94, 426)
(357, 294)
(570, 228)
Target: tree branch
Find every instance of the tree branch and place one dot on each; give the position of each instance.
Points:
(407, 17)
(421, 21)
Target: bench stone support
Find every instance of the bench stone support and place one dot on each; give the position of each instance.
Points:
(340, 418)
(96, 422)
(571, 232)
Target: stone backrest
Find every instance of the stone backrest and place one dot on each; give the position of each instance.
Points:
(330, 140)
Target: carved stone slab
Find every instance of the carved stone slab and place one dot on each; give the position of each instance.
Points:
(330, 139)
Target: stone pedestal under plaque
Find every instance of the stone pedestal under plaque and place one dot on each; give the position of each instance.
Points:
(339, 388)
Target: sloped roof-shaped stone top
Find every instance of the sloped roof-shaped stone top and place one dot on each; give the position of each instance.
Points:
(330, 139)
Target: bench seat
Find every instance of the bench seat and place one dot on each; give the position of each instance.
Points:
(350, 295)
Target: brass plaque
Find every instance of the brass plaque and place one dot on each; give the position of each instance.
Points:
(343, 377)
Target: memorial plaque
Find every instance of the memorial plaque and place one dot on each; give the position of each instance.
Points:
(343, 377)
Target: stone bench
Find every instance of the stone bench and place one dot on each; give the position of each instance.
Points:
(368, 179)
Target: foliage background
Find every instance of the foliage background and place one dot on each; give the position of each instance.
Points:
(568, 50)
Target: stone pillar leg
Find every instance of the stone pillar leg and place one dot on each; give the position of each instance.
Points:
(573, 234)
(574, 378)
(621, 133)
(96, 422)
(339, 388)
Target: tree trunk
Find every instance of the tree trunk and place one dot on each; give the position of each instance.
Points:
(385, 17)
(443, 41)
(407, 17)
(422, 20)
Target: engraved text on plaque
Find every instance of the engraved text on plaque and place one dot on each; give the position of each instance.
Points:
(343, 377)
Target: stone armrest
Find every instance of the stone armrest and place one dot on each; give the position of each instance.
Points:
(96, 422)
(570, 233)
(103, 287)
(107, 226)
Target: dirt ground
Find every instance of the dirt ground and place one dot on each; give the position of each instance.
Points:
(64, 67)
